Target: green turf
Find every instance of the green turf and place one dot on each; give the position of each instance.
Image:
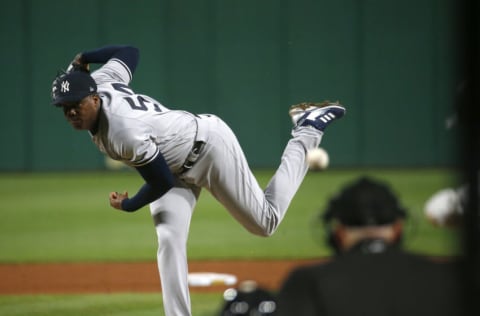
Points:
(138, 304)
(66, 217)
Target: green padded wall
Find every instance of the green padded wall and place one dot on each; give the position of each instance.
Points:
(390, 63)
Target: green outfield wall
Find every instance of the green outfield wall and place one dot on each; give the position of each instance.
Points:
(391, 63)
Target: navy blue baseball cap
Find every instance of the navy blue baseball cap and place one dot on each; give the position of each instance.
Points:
(72, 87)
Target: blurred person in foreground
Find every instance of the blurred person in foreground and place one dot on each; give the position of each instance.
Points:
(371, 274)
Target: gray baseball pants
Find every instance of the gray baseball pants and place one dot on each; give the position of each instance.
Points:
(223, 170)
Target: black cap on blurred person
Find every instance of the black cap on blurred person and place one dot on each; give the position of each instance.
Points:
(365, 202)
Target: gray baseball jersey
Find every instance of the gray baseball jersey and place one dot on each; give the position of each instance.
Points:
(134, 127)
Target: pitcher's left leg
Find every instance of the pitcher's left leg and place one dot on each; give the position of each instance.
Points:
(171, 215)
(310, 121)
(235, 186)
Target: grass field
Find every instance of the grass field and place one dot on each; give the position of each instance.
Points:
(123, 304)
(65, 217)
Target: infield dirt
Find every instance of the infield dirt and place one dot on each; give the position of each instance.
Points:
(131, 277)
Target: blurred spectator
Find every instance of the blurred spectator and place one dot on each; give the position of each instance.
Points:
(371, 273)
(249, 300)
(446, 206)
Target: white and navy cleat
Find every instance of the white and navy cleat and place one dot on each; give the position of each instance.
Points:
(316, 115)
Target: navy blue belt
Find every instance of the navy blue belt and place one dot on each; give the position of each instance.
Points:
(192, 156)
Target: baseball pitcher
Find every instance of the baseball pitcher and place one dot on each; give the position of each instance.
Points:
(177, 153)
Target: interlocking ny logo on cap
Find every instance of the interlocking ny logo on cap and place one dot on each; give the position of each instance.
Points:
(65, 86)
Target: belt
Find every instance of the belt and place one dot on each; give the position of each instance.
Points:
(202, 121)
(192, 156)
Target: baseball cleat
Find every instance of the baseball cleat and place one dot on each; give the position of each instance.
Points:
(316, 115)
(296, 111)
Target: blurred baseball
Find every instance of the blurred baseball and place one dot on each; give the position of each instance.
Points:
(317, 159)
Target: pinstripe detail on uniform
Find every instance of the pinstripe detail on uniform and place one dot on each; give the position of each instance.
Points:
(125, 66)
